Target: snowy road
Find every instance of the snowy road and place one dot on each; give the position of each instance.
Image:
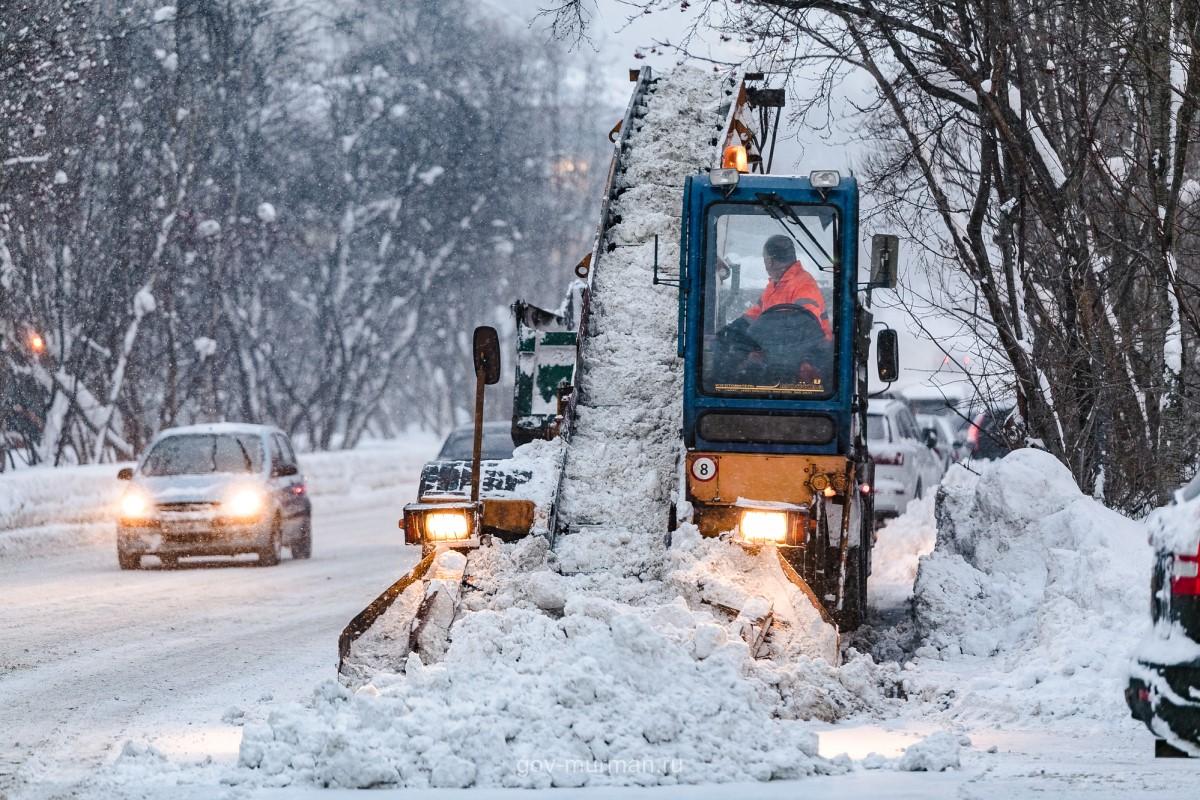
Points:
(91, 656)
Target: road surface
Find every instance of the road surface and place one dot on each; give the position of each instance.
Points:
(91, 656)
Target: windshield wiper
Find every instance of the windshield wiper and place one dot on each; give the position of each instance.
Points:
(245, 455)
(783, 213)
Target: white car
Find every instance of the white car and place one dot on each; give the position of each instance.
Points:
(906, 466)
(215, 490)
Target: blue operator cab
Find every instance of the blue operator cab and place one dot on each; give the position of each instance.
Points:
(775, 344)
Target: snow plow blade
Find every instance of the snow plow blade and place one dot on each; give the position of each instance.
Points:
(367, 617)
(794, 578)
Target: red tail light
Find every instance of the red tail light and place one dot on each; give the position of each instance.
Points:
(890, 459)
(298, 488)
(973, 436)
(1185, 575)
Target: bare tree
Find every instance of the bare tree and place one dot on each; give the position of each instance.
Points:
(1044, 152)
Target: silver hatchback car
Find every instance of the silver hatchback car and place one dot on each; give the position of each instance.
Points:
(215, 490)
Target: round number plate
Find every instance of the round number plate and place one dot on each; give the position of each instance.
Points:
(704, 469)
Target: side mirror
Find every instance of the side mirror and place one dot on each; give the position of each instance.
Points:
(286, 470)
(887, 355)
(125, 474)
(929, 436)
(486, 347)
(885, 252)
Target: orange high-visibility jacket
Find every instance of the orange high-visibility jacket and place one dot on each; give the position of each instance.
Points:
(796, 287)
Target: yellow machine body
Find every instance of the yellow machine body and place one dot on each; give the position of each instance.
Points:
(755, 477)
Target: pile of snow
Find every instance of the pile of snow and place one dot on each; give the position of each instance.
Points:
(50, 507)
(547, 682)
(936, 753)
(1034, 594)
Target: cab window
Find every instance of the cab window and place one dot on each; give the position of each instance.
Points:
(768, 312)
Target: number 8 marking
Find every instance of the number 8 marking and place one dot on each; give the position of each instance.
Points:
(704, 469)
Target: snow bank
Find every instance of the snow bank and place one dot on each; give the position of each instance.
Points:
(52, 507)
(1034, 594)
(550, 682)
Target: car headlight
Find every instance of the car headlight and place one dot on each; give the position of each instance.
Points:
(135, 505)
(764, 527)
(245, 503)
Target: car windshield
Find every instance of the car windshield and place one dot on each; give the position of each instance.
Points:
(201, 454)
(497, 445)
(877, 428)
(768, 312)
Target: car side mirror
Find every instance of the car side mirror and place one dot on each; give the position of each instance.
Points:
(125, 474)
(887, 355)
(930, 437)
(285, 470)
(885, 251)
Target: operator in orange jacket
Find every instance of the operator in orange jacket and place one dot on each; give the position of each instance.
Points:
(790, 284)
(786, 336)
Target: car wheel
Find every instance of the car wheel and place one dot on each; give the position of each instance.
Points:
(129, 560)
(272, 554)
(169, 562)
(303, 546)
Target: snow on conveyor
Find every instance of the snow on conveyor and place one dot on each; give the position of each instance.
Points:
(607, 661)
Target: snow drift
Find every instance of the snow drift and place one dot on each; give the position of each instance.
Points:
(551, 681)
(1035, 592)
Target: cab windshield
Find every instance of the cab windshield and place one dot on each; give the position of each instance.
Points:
(770, 277)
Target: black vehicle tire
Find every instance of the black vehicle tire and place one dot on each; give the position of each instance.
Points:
(129, 560)
(854, 606)
(303, 546)
(169, 562)
(272, 554)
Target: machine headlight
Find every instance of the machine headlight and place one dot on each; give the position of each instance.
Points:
(135, 505)
(764, 527)
(446, 526)
(451, 523)
(824, 178)
(245, 503)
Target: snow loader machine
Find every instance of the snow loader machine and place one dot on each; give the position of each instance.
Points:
(772, 453)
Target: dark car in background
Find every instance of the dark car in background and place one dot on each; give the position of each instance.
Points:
(215, 490)
(497, 443)
(449, 474)
(1164, 681)
(985, 435)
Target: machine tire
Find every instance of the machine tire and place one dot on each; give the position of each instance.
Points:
(169, 562)
(128, 560)
(303, 546)
(854, 608)
(272, 554)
